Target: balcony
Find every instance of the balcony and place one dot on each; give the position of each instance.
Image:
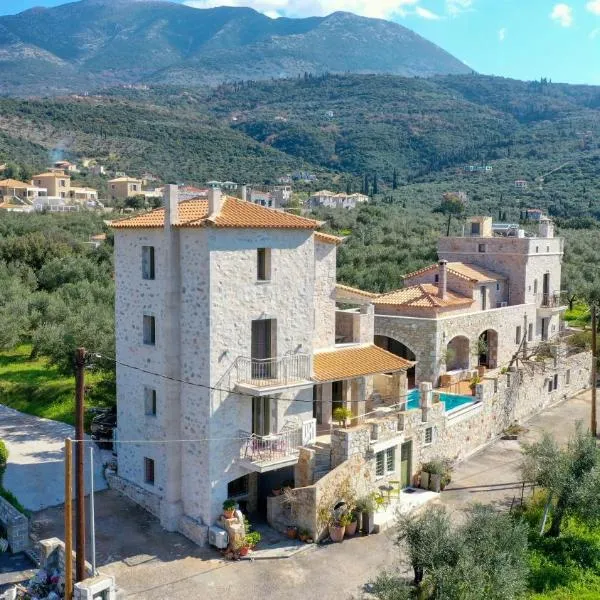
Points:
(263, 376)
(552, 302)
(262, 453)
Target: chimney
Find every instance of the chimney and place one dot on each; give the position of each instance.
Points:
(215, 202)
(244, 193)
(443, 279)
(171, 204)
(546, 228)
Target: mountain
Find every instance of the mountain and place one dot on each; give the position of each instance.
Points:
(91, 44)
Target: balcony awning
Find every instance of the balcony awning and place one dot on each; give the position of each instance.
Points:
(356, 361)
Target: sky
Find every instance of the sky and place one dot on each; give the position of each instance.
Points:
(523, 39)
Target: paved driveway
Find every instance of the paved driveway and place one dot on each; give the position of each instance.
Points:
(150, 564)
(35, 473)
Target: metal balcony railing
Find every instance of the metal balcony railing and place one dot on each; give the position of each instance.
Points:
(277, 446)
(266, 372)
(552, 299)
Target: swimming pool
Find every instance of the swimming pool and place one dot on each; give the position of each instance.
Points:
(451, 401)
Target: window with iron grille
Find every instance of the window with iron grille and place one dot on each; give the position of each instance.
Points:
(148, 471)
(429, 435)
(390, 459)
(380, 464)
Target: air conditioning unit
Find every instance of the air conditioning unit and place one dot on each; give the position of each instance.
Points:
(217, 537)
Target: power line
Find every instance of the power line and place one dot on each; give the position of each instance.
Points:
(225, 390)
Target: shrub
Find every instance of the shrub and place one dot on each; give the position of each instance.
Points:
(341, 414)
(3, 460)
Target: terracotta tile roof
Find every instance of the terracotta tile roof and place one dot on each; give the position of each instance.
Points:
(356, 361)
(354, 291)
(52, 174)
(328, 238)
(234, 213)
(422, 296)
(13, 183)
(466, 271)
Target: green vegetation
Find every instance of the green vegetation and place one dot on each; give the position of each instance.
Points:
(33, 386)
(6, 494)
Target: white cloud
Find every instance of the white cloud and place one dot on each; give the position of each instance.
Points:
(426, 14)
(593, 6)
(382, 9)
(455, 7)
(562, 14)
(502, 34)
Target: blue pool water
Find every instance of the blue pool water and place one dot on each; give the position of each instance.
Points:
(451, 401)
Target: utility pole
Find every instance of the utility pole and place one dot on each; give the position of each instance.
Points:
(68, 519)
(79, 460)
(594, 369)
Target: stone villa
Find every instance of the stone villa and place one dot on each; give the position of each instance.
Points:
(233, 351)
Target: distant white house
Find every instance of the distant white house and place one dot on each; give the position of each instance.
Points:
(325, 198)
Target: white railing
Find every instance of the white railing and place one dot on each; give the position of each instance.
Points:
(272, 371)
(277, 446)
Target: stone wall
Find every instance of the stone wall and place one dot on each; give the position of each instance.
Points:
(429, 338)
(147, 500)
(502, 399)
(349, 442)
(16, 525)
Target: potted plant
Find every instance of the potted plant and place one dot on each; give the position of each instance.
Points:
(304, 535)
(253, 538)
(435, 469)
(366, 507)
(336, 531)
(341, 415)
(229, 508)
(351, 522)
(473, 384)
(291, 531)
(244, 549)
(287, 484)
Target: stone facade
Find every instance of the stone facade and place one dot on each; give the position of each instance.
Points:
(16, 525)
(204, 297)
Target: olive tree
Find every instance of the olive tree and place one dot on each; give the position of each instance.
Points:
(571, 475)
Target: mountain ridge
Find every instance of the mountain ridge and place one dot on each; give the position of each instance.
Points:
(93, 44)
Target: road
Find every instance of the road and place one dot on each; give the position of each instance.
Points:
(35, 472)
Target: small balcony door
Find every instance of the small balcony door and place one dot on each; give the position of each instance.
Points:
(263, 348)
(546, 290)
(545, 329)
(261, 416)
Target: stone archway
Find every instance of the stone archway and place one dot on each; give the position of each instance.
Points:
(487, 349)
(458, 353)
(399, 349)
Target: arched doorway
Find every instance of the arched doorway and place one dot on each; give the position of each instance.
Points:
(399, 349)
(457, 353)
(487, 349)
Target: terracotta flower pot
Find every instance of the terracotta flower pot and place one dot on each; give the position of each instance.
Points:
(336, 533)
(292, 532)
(351, 529)
(244, 550)
(228, 514)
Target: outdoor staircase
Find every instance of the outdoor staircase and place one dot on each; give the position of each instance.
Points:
(322, 459)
